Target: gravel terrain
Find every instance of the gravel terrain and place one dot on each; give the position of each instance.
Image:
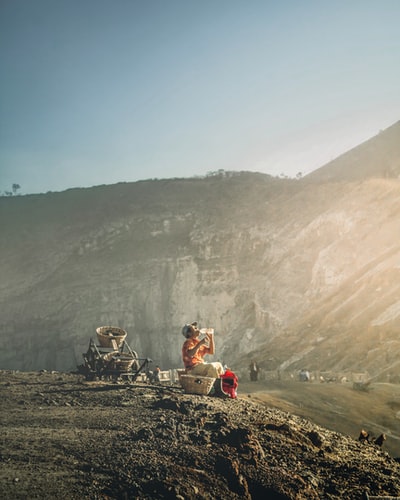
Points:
(66, 438)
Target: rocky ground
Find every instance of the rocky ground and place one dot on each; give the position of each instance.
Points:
(67, 438)
(336, 406)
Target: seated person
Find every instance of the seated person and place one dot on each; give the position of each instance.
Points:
(194, 350)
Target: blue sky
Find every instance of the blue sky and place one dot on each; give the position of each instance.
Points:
(104, 91)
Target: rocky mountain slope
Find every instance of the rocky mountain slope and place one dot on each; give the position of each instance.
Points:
(66, 438)
(296, 272)
(378, 157)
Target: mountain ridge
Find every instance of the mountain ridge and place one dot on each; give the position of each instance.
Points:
(365, 160)
(257, 257)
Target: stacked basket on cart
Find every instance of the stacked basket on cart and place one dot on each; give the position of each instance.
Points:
(107, 335)
(113, 337)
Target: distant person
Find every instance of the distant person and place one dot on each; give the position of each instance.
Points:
(364, 436)
(254, 370)
(153, 376)
(149, 375)
(380, 440)
(194, 350)
(304, 376)
(156, 375)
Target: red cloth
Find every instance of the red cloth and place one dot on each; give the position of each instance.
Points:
(230, 383)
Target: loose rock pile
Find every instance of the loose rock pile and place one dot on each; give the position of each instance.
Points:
(67, 438)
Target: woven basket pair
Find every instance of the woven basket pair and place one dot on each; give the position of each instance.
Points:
(196, 385)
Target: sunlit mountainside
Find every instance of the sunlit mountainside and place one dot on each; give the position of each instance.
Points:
(300, 273)
(377, 157)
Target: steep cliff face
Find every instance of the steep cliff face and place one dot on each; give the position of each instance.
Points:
(145, 256)
(353, 288)
(294, 271)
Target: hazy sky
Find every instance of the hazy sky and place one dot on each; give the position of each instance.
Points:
(103, 91)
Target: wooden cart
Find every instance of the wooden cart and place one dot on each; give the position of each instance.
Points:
(114, 361)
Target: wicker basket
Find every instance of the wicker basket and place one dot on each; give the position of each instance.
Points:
(123, 363)
(106, 335)
(196, 385)
(119, 362)
(180, 372)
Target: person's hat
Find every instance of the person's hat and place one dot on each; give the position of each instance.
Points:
(188, 329)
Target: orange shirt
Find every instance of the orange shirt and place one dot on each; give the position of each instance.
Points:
(190, 361)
